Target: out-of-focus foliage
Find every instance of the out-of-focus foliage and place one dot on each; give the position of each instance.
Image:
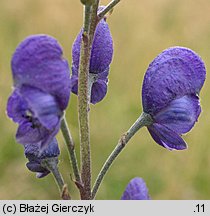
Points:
(141, 30)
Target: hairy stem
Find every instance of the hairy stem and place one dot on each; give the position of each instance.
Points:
(84, 117)
(83, 103)
(90, 22)
(71, 149)
(51, 165)
(87, 14)
(108, 8)
(143, 120)
(93, 20)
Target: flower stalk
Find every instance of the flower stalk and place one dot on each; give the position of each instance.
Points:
(71, 149)
(51, 165)
(108, 8)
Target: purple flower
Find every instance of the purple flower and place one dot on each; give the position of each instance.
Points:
(32, 152)
(136, 190)
(101, 57)
(41, 90)
(170, 95)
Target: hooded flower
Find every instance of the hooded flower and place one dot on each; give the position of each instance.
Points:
(101, 57)
(32, 153)
(136, 190)
(170, 94)
(41, 90)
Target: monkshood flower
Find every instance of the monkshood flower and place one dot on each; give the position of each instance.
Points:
(101, 57)
(32, 153)
(41, 90)
(136, 190)
(170, 95)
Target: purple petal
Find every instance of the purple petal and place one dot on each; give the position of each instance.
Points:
(176, 72)
(104, 75)
(32, 151)
(31, 133)
(34, 133)
(136, 190)
(38, 62)
(76, 53)
(98, 92)
(180, 115)
(43, 106)
(99, 87)
(166, 137)
(16, 107)
(101, 53)
(74, 82)
(48, 139)
(102, 48)
(34, 166)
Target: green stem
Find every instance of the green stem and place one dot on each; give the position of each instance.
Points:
(108, 8)
(87, 18)
(143, 120)
(51, 165)
(71, 149)
(89, 26)
(84, 119)
(83, 104)
(93, 20)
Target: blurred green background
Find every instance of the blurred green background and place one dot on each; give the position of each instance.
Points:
(141, 30)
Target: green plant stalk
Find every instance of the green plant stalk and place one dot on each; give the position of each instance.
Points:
(87, 13)
(89, 25)
(108, 8)
(143, 120)
(93, 21)
(84, 118)
(90, 20)
(51, 165)
(71, 149)
(83, 103)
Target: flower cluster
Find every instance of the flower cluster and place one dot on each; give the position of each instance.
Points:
(170, 94)
(42, 87)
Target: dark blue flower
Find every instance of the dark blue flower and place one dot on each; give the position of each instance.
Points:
(41, 90)
(170, 94)
(32, 153)
(101, 57)
(136, 190)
